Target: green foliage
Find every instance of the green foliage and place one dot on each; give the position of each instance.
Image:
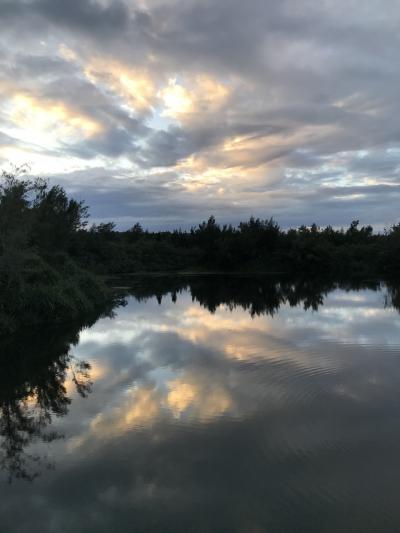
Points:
(43, 239)
(39, 282)
(254, 246)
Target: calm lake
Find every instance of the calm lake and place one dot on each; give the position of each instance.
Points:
(217, 404)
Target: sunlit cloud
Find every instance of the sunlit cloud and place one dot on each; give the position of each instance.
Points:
(201, 96)
(140, 407)
(134, 85)
(204, 398)
(177, 100)
(44, 121)
(38, 159)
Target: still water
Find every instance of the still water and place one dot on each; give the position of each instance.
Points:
(207, 405)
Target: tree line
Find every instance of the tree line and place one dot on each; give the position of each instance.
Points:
(51, 258)
(256, 245)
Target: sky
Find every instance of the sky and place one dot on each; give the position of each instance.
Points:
(165, 112)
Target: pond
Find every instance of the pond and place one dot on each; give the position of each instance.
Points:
(221, 404)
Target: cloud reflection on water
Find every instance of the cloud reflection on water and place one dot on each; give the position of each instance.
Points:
(227, 422)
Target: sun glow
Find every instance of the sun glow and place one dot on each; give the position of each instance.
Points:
(176, 99)
(195, 98)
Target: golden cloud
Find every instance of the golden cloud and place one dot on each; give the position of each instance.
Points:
(134, 85)
(36, 116)
(197, 97)
(204, 398)
(140, 407)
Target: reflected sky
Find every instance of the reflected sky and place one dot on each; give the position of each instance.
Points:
(223, 421)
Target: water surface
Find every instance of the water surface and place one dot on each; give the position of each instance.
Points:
(222, 405)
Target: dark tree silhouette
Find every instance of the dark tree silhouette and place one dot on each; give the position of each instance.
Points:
(259, 295)
(33, 372)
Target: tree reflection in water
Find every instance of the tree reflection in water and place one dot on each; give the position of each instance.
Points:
(34, 369)
(259, 295)
(36, 365)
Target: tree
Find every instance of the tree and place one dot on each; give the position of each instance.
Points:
(56, 217)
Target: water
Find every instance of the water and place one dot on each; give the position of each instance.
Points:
(219, 404)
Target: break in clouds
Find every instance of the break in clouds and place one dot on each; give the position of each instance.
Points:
(169, 111)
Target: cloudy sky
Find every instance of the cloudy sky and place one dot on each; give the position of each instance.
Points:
(167, 111)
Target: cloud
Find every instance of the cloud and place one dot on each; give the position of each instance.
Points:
(84, 15)
(256, 107)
